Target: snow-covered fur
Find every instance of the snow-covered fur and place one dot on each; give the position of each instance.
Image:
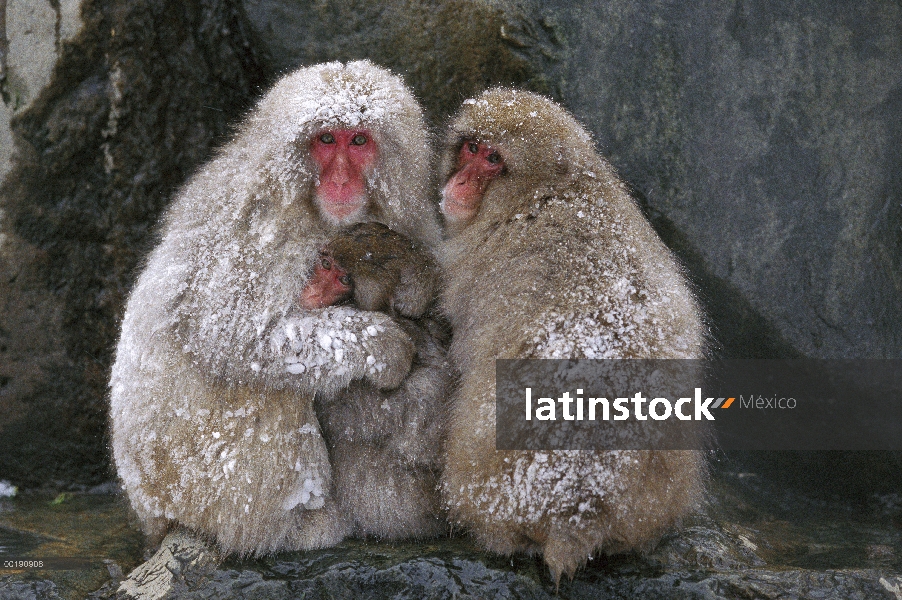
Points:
(558, 263)
(212, 388)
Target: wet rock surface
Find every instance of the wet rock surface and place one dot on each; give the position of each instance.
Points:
(93, 529)
(753, 540)
(133, 102)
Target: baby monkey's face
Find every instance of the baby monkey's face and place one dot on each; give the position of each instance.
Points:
(330, 283)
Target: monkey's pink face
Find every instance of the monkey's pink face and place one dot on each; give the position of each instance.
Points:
(328, 285)
(344, 158)
(477, 165)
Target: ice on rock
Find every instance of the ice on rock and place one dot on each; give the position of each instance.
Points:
(7, 490)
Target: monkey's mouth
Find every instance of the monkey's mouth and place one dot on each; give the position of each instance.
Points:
(457, 208)
(341, 202)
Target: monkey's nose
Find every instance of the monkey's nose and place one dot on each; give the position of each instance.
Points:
(340, 174)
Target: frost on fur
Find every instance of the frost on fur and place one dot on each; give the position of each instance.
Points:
(557, 262)
(217, 366)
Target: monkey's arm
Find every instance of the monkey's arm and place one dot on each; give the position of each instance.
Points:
(240, 320)
(328, 348)
(312, 350)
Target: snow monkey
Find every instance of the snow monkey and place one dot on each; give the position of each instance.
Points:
(384, 445)
(382, 269)
(576, 271)
(212, 390)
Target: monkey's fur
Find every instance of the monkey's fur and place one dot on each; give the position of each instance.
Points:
(389, 272)
(212, 390)
(384, 445)
(558, 263)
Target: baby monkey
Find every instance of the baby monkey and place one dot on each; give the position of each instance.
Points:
(382, 270)
(383, 445)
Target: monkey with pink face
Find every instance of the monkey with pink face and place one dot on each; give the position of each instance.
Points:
(223, 352)
(548, 256)
(384, 444)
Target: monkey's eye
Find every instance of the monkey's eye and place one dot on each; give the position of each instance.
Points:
(345, 280)
(473, 147)
(494, 158)
(359, 140)
(327, 138)
(327, 264)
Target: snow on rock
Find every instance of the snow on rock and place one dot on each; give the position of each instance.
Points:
(7, 490)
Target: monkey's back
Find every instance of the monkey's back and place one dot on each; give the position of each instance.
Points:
(579, 274)
(582, 276)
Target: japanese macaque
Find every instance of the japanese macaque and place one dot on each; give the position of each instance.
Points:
(384, 445)
(212, 390)
(382, 269)
(548, 256)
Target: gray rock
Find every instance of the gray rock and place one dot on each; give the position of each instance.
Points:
(764, 141)
(28, 590)
(31, 35)
(449, 570)
(129, 106)
(446, 51)
(761, 138)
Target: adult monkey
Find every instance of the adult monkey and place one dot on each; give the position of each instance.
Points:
(217, 366)
(565, 266)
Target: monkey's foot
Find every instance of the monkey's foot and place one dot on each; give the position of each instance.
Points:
(181, 560)
(321, 528)
(565, 553)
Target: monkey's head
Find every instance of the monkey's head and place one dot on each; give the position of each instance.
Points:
(346, 143)
(380, 268)
(506, 149)
(329, 283)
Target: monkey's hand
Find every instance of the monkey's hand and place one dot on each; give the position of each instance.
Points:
(417, 288)
(330, 347)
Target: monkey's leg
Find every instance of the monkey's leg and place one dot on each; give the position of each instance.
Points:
(320, 528)
(382, 495)
(233, 462)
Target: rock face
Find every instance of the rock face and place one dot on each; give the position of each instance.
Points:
(127, 107)
(446, 51)
(764, 139)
